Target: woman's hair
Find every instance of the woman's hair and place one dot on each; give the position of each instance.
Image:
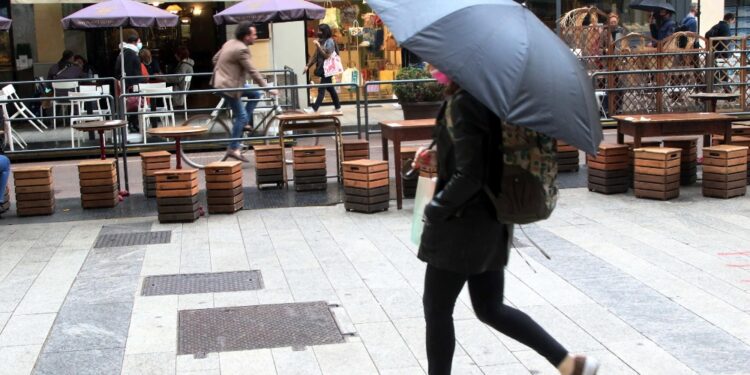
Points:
(66, 56)
(79, 57)
(325, 30)
(182, 53)
(145, 56)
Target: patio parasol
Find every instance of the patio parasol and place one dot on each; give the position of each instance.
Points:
(651, 5)
(515, 65)
(270, 11)
(5, 23)
(118, 14)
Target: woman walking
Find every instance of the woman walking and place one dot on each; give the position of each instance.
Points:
(464, 242)
(4, 174)
(325, 47)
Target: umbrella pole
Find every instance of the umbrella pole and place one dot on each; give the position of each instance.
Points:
(273, 51)
(123, 109)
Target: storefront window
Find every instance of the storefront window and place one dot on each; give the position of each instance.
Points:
(741, 8)
(365, 45)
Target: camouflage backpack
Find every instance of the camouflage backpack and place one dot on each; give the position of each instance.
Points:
(528, 192)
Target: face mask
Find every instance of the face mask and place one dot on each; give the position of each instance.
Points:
(440, 77)
(139, 45)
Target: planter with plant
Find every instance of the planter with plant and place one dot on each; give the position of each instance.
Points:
(418, 100)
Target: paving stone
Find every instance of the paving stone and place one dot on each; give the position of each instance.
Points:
(103, 290)
(149, 363)
(386, 347)
(19, 359)
(26, 329)
(345, 359)
(84, 362)
(294, 361)
(257, 362)
(111, 262)
(85, 326)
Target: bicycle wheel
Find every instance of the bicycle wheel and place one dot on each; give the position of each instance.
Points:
(217, 128)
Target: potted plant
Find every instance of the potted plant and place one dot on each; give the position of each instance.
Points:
(418, 100)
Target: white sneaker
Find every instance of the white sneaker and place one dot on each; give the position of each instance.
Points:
(309, 110)
(585, 365)
(337, 111)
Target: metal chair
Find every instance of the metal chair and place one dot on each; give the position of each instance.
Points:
(165, 112)
(61, 89)
(78, 107)
(11, 135)
(21, 109)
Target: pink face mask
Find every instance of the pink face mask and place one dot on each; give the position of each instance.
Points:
(440, 77)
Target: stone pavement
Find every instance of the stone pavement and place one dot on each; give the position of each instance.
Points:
(647, 287)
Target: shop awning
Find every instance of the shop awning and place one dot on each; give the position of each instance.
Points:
(97, 1)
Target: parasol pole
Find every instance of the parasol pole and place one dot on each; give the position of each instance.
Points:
(122, 111)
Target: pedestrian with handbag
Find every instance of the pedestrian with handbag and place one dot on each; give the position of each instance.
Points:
(4, 173)
(232, 66)
(325, 47)
(463, 239)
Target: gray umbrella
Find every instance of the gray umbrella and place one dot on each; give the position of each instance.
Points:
(651, 5)
(506, 57)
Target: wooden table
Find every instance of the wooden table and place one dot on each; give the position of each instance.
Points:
(671, 124)
(710, 98)
(100, 127)
(400, 131)
(178, 132)
(313, 121)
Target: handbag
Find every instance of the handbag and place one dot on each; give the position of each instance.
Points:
(332, 17)
(356, 30)
(332, 65)
(351, 76)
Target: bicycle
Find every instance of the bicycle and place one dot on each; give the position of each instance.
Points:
(215, 119)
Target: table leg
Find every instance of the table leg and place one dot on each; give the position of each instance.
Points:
(620, 137)
(637, 137)
(178, 152)
(396, 154)
(282, 125)
(728, 134)
(124, 140)
(339, 146)
(101, 145)
(706, 140)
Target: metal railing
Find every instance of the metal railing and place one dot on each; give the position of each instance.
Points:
(367, 100)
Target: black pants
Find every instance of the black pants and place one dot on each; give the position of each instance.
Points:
(441, 289)
(322, 94)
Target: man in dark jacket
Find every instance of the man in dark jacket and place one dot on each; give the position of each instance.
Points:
(130, 48)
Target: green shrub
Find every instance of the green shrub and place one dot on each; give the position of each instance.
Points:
(417, 92)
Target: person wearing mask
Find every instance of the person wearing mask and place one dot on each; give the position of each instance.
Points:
(65, 68)
(232, 66)
(722, 29)
(132, 64)
(184, 66)
(464, 242)
(324, 47)
(662, 25)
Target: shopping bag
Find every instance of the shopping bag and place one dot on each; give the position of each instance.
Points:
(350, 75)
(355, 30)
(332, 65)
(425, 191)
(332, 17)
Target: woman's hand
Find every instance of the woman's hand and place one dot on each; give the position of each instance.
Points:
(424, 156)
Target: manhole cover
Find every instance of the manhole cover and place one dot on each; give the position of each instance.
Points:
(201, 283)
(132, 239)
(256, 327)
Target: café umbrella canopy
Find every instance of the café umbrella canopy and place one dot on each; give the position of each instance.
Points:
(651, 5)
(5, 23)
(509, 60)
(119, 14)
(270, 11)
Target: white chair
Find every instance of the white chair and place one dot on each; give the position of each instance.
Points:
(104, 90)
(147, 86)
(91, 90)
(164, 110)
(11, 136)
(186, 87)
(78, 107)
(601, 96)
(21, 109)
(61, 89)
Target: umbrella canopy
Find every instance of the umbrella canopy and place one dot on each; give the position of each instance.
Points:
(5, 23)
(119, 13)
(513, 63)
(270, 11)
(651, 5)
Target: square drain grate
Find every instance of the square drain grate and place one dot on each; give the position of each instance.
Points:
(132, 239)
(201, 283)
(256, 327)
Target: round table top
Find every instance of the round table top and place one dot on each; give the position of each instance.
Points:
(177, 131)
(100, 125)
